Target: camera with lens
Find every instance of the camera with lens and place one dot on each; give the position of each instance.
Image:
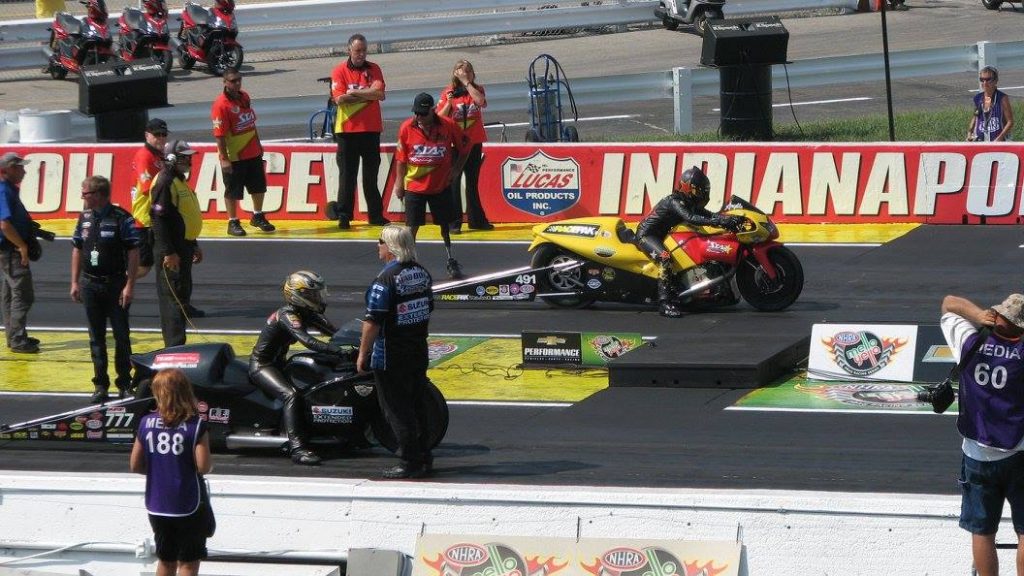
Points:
(940, 397)
(460, 91)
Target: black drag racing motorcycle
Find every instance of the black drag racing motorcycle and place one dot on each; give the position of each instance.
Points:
(341, 405)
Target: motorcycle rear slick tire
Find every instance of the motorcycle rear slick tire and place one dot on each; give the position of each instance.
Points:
(436, 408)
(556, 281)
(764, 294)
(58, 72)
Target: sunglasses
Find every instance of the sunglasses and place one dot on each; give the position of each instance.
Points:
(380, 241)
(985, 79)
(422, 113)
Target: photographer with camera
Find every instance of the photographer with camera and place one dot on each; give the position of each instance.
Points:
(463, 100)
(991, 419)
(16, 290)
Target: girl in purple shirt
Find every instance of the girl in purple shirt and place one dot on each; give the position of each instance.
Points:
(172, 448)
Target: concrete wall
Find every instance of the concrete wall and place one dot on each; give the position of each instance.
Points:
(785, 532)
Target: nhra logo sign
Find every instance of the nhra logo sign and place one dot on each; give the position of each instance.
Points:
(541, 185)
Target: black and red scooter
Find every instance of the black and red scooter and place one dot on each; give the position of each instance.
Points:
(209, 36)
(75, 43)
(145, 35)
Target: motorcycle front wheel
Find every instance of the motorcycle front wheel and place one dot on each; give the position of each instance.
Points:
(568, 282)
(166, 59)
(992, 4)
(762, 292)
(220, 57)
(435, 409)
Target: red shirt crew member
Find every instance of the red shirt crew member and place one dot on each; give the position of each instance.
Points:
(146, 164)
(240, 153)
(357, 87)
(431, 150)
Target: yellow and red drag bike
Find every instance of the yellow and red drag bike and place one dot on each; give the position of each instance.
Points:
(586, 260)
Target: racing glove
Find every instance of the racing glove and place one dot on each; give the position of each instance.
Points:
(731, 223)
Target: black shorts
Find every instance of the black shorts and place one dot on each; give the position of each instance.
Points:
(245, 175)
(145, 247)
(441, 208)
(178, 538)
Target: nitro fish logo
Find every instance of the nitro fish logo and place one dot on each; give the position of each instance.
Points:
(862, 353)
(884, 396)
(608, 347)
(541, 185)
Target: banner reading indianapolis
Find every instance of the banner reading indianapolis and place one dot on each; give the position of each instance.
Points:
(944, 183)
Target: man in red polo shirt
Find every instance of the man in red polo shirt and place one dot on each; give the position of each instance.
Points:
(240, 152)
(146, 164)
(431, 151)
(357, 87)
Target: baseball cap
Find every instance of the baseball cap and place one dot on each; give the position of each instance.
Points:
(424, 103)
(11, 159)
(1012, 309)
(178, 148)
(156, 125)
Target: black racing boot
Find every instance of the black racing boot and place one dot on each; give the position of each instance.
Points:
(305, 456)
(666, 302)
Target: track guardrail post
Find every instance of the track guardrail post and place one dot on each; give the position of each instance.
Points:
(986, 54)
(682, 100)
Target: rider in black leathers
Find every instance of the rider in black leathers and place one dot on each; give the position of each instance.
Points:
(305, 304)
(685, 205)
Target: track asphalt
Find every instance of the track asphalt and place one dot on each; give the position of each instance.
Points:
(613, 437)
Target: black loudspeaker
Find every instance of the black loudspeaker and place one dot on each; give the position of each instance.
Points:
(122, 126)
(738, 41)
(115, 86)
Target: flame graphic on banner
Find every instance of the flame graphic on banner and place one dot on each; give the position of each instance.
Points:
(537, 568)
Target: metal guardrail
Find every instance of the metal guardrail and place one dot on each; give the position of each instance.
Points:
(327, 23)
(679, 84)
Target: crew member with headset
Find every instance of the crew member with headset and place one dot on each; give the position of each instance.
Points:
(685, 205)
(177, 222)
(305, 303)
(104, 279)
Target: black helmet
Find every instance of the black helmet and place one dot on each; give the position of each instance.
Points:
(695, 185)
(307, 290)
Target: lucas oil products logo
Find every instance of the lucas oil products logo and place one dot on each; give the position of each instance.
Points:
(541, 185)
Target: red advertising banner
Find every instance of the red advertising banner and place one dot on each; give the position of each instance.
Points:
(950, 183)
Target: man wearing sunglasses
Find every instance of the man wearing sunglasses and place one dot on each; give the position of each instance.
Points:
(431, 150)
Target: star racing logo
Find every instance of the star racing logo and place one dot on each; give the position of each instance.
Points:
(862, 353)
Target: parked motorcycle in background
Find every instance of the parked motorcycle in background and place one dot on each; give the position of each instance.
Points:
(145, 34)
(672, 13)
(209, 36)
(75, 43)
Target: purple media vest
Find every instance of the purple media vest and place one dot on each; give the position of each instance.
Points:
(172, 482)
(992, 393)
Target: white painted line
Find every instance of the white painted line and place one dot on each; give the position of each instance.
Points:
(513, 404)
(835, 244)
(840, 411)
(1004, 89)
(814, 102)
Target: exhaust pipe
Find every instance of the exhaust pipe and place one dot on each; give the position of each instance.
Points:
(709, 283)
(47, 51)
(247, 441)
